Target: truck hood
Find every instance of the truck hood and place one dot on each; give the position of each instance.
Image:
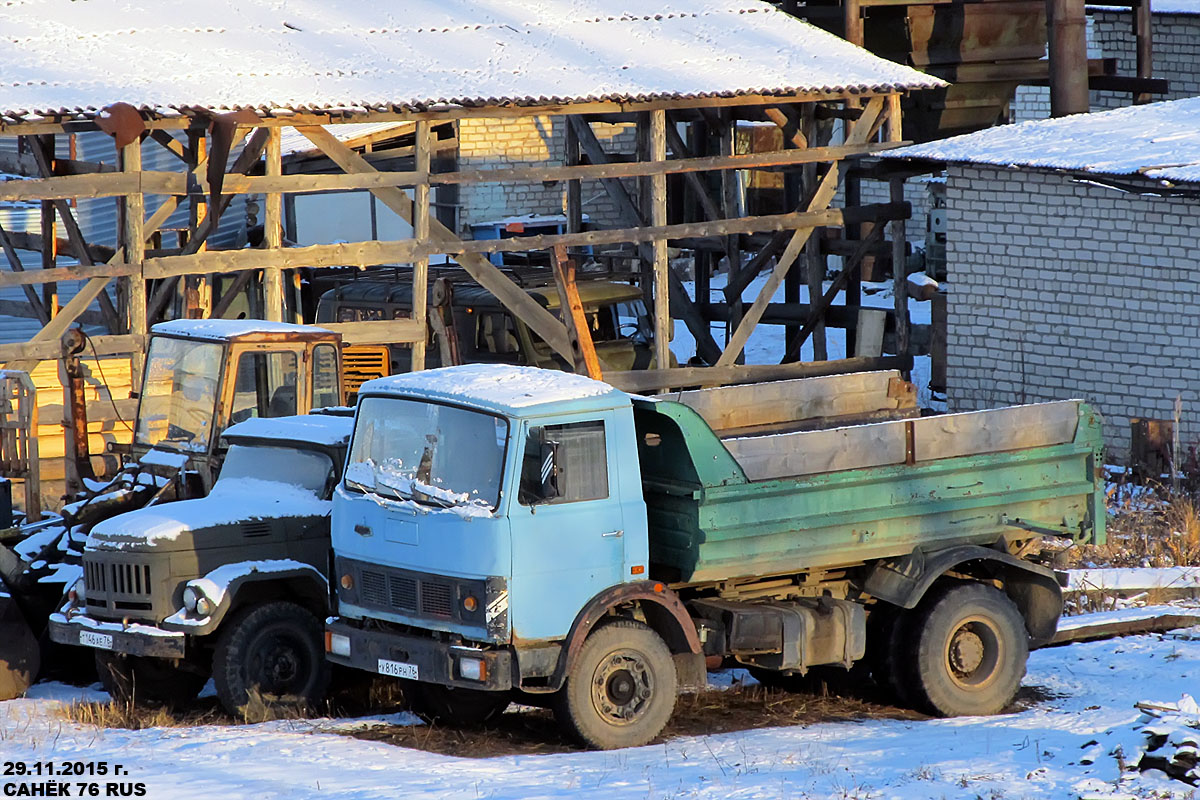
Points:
(171, 526)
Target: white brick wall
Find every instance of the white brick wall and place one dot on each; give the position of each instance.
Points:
(1176, 53)
(531, 141)
(1060, 289)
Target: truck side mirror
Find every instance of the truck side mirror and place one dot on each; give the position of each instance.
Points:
(540, 474)
(548, 460)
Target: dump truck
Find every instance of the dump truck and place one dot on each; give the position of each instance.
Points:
(231, 586)
(502, 533)
(200, 376)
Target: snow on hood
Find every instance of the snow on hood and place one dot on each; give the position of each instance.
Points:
(246, 499)
(323, 429)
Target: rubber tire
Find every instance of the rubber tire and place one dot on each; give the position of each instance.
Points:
(575, 709)
(457, 707)
(239, 677)
(992, 614)
(147, 681)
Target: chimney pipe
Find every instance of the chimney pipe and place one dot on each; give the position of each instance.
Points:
(1067, 38)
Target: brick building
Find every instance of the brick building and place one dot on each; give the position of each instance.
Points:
(1070, 250)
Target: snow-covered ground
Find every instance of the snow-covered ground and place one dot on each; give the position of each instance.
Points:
(1087, 708)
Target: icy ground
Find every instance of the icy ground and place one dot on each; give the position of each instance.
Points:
(1086, 707)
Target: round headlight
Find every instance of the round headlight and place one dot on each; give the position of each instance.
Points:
(204, 606)
(470, 603)
(78, 593)
(190, 596)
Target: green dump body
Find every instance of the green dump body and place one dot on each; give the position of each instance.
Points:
(928, 484)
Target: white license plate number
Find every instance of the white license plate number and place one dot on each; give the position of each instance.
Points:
(101, 640)
(397, 669)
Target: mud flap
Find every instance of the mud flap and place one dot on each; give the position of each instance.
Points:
(20, 657)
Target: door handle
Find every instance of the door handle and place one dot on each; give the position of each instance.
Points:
(613, 534)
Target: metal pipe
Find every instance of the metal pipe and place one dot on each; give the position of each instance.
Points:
(1067, 40)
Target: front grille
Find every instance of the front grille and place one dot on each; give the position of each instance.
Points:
(435, 599)
(129, 579)
(414, 593)
(118, 587)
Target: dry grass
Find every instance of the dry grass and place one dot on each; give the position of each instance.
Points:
(1148, 529)
(133, 717)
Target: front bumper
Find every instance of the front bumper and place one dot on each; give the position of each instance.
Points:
(135, 639)
(430, 661)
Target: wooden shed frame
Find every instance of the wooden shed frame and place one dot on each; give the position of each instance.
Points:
(869, 122)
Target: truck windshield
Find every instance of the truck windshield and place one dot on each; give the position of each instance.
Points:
(304, 468)
(427, 452)
(179, 394)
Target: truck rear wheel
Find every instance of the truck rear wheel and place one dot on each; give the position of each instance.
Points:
(971, 650)
(621, 690)
(270, 660)
(144, 680)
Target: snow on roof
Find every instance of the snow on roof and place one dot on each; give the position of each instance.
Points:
(497, 386)
(226, 328)
(167, 55)
(1160, 141)
(323, 429)
(1157, 7)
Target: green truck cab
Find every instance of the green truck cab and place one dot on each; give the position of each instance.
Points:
(506, 532)
(230, 586)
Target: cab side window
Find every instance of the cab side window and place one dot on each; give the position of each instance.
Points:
(265, 385)
(565, 464)
(324, 376)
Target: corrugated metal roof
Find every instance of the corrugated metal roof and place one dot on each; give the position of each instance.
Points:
(1160, 141)
(58, 56)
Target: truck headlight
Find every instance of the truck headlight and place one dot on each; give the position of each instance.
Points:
(472, 669)
(195, 601)
(78, 593)
(338, 645)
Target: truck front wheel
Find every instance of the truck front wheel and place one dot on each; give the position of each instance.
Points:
(970, 651)
(144, 680)
(269, 660)
(621, 689)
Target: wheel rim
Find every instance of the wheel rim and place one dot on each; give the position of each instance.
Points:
(278, 665)
(622, 687)
(974, 650)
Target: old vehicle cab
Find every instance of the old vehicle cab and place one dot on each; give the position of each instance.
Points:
(203, 375)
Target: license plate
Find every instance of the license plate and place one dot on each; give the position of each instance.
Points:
(101, 640)
(397, 669)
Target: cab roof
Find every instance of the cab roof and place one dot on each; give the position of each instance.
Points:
(503, 389)
(591, 293)
(228, 329)
(324, 430)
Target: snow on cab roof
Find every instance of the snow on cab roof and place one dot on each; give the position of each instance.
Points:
(1160, 141)
(497, 386)
(226, 328)
(162, 56)
(322, 429)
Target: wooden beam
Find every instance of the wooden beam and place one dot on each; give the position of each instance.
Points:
(14, 261)
(133, 239)
(583, 348)
(706, 347)
(661, 266)
(85, 121)
(677, 377)
(480, 269)
(172, 145)
(387, 331)
(23, 355)
(420, 223)
(862, 129)
(684, 156)
(273, 230)
(899, 272)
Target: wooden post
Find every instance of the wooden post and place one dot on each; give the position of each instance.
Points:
(658, 218)
(853, 22)
(574, 204)
(49, 234)
(582, 347)
(729, 207)
(1144, 36)
(273, 231)
(133, 240)
(421, 234)
(195, 286)
(899, 273)
(816, 260)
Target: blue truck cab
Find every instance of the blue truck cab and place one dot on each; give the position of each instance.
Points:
(457, 562)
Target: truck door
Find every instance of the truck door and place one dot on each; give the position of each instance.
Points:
(569, 547)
